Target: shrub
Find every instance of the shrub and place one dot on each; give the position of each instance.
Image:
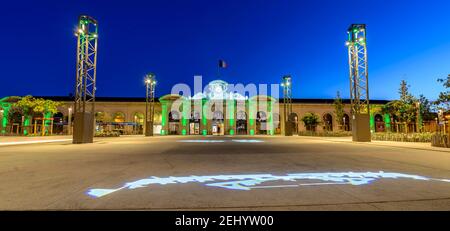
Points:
(325, 134)
(403, 137)
(440, 140)
(107, 134)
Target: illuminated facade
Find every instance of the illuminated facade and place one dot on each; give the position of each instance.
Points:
(215, 111)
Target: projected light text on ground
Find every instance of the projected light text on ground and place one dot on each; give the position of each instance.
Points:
(249, 182)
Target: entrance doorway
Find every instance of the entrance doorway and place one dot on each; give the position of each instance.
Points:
(194, 124)
(218, 128)
(379, 123)
(174, 123)
(293, 119)
(261, 123)
(241, 123)
(327, 122)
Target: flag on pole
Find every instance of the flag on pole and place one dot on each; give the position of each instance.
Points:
(222, 64)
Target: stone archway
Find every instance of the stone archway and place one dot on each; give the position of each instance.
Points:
(58, 123)
(261, 123)
(194, 123)
(346, 122)
(379, 123)
(276, 123)
(174, 123)
(327, 122)
(241, 123)
(293, 119)
(119, 122)
(217, 123)
(138, 120)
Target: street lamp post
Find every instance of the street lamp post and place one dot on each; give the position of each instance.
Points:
(287, 105)
(359, 82)
(85, 87)
(150, 83)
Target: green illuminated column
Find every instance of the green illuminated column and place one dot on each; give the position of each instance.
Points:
(48, 122)
(4, 116)
(387, 122)
(204, 123)
(270, 118)
(252, 106)
(231, 112)
(372, 122)
(164, 118)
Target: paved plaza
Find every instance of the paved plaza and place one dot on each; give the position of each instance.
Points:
(222, 173)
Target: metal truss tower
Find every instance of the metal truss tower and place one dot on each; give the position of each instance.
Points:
(359, 82)
(84, 108)
(287, 105)
(150, 83)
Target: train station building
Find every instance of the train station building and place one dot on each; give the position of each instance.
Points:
(216, 111)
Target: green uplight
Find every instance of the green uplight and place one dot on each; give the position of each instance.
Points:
(183, 132)
(231, 109)
(204, 119)
(387, 121)
(252, 132)
(232, 132)
(164, 114)
(204, 132)
(372, 122)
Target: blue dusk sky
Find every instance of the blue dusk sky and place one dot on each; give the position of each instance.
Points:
(261, 40)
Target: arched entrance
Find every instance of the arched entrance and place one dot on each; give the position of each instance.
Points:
(15, 122)
(327, 122)
(58, 123)
(174, 123)
(194, 123)
(379, 123)
(261, 123)
(293, 119)
(276, 123)
(138, 123)
(217, 123)
(241, 123)
(119, 122)
(346, 122)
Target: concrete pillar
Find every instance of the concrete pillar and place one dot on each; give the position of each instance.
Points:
(204, 127)
(252, 111)
(164, 117)
(83, 131)
(361, 128)
(230, 117)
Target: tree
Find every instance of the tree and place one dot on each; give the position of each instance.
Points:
(425, 109)
(43, 107)
(310, 120)
(405, 96)
(443, 102)
(339, 110)
(404, 109)
(26, 105)
(46, 108)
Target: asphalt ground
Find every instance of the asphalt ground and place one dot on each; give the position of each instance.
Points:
(64, 176)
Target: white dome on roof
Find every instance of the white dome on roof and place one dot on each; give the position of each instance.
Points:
(217, 89)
